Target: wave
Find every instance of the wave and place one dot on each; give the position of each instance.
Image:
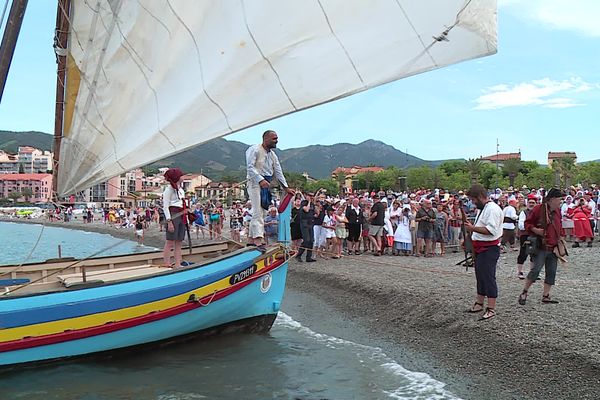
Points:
(415, 385)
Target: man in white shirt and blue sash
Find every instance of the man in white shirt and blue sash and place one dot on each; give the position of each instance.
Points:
(485, 235)
(262, 167)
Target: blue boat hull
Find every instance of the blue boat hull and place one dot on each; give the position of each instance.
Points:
(253, 301)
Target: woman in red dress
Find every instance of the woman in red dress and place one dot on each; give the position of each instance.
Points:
(580, 215)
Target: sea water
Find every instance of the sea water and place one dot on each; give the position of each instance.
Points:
(292, 361)
(24, 243)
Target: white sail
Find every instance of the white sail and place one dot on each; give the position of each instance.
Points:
(151, 78)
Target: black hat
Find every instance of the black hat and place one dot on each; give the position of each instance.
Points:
(554, 193)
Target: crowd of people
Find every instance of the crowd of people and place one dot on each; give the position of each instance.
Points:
(422, 223)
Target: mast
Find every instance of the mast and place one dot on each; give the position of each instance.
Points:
(9, 40)
(60, 48)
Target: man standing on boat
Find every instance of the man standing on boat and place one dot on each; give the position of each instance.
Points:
(262, 166)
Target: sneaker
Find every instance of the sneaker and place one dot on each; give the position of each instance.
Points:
(521, 275)
(311, 260)
(576, 244)
(589, 244)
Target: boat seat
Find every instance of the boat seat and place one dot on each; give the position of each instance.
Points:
(12, 282)
(111, 275)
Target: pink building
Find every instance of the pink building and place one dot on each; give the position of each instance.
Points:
(40, 186)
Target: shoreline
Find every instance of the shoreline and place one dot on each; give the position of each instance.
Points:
(413, 308)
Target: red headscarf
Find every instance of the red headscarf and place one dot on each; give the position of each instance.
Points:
(172, 176)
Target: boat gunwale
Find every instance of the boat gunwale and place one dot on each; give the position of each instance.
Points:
(96, 284)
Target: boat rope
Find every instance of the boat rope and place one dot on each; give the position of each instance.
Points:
(10, 272)
(209, 300)
(74, 263)
(3, 12)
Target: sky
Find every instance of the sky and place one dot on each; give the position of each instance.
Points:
(539, 93)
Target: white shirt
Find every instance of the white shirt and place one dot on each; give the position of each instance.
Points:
(592, 205)
(172, 198)
(522, 218)
(261, 163)
(510, 212)
(491, 218)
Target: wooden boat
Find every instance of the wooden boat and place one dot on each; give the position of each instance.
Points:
(139, 81)
(66, 308)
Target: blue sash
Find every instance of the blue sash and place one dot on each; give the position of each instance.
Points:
(265, 194)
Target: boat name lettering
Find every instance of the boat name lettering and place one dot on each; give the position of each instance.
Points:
(243, 275)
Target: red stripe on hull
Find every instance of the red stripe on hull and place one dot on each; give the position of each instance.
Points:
(66, 336)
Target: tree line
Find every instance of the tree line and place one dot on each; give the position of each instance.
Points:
(459, 175)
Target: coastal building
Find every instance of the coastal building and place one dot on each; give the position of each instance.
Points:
(35, 188)
(189, 182)
(34, 161)
(351, 173)
(555, 155)
(500, 158)
(28, 160)
(221, 191)
(9, 163)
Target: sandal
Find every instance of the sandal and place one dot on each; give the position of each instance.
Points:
(547, 300)
(488, 314)
(523, 297)
(475, 309)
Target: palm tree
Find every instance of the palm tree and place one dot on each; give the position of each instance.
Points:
(511, 167)
(14, 196)
(26, 193)
(474, 167)
(564, 168)
(341, 180)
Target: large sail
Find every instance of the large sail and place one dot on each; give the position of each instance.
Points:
(151, 78)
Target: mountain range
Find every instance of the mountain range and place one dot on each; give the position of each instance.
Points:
(222, 157)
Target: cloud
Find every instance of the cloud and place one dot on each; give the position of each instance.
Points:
(543, 92)
(575, 15)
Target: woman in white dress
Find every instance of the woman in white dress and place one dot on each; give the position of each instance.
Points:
(567, 223)
(403, 235)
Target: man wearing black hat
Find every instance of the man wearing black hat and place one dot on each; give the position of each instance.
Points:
(544, 223)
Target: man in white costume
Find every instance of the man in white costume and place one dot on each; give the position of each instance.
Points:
(262, 167)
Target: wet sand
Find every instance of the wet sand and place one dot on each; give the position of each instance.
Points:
(414, 308)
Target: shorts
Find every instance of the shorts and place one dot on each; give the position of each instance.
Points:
(178, 233)
(139, 233)
(541, 259)
(508, 236)
(341, 232)
(376, 230)
(427, 235)
(365, 231)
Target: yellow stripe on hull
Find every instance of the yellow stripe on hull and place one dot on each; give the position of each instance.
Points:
(87, 321)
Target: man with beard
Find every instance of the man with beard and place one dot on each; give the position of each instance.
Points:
(262, 166)
(544, 221)
(485, 235)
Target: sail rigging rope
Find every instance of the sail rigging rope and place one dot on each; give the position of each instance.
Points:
(3, 13)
